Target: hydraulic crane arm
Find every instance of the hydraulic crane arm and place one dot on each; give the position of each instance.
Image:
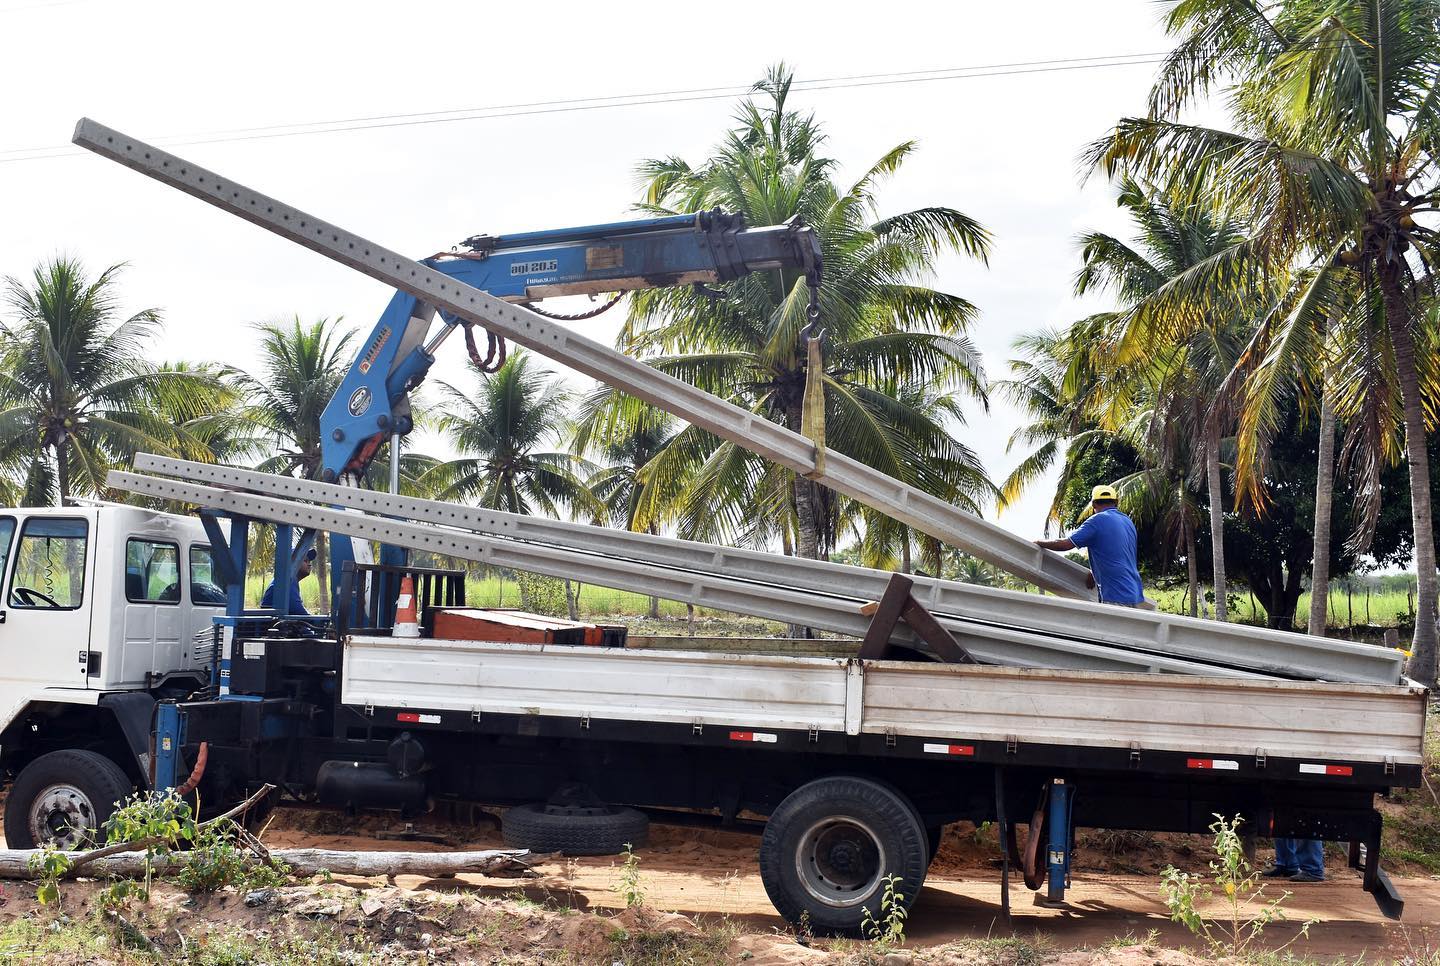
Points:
(372, 403)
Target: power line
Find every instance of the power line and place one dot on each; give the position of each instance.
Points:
(572, 105)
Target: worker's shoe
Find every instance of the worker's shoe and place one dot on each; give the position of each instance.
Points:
(1307, 877)
(1276, 872)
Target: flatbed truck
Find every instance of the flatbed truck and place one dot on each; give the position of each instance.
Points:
(851, 764)
(150, 669)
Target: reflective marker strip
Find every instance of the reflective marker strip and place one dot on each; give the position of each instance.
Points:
(1213, 764)
(753, 736)
(1306, 768)
(949, 749)
(418, 718)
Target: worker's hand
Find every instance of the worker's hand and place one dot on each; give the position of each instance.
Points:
(1090, 581)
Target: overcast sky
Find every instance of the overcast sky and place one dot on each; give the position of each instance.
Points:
(1001, 148)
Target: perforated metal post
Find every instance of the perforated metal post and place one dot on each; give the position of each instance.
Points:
(961, 607)
(993, 645)
(737, 424)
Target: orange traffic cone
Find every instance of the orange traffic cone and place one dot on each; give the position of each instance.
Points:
(406, 624)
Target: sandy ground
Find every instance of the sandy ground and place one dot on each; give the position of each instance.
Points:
(712, 873)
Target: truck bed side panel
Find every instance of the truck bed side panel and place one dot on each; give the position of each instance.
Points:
(1282, 719)
(551, 680)
(1158, 712)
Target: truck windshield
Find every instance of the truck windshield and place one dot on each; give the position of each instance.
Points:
(50, 564)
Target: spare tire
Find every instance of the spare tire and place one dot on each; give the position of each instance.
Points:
(603, 830)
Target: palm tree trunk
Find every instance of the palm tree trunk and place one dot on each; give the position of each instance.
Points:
(807, 539)
(62, 470)
(906, 564)
(572, 607)
(322, 570)
(807, 526)
(1217, 513)
(654, 611)
(1324, 499)
(1191, 563)
(1423, 652)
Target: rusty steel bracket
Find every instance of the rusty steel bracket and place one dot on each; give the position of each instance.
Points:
(898, 605)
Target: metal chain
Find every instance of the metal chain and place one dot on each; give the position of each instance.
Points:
(578, 316)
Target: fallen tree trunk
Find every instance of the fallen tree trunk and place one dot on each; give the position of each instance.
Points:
(15, 863)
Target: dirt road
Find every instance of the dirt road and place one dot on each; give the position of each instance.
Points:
(711, 873)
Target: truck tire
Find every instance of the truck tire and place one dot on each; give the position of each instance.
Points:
(829, 846)
(603, 831)
(63, 798)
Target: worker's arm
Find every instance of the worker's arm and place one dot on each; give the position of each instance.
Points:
(1080, 538)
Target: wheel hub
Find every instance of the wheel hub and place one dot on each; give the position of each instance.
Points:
(62, 816)
(840, 861)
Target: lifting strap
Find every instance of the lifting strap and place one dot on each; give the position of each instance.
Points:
(812, 412)
(812, 405)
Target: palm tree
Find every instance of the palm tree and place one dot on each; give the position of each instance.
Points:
(1190, 344)
(501, 427)
(1334, 163)
(301, 366)
(1070, 388)
(620, 483)
(78, 392)
(885, 330)
(1058, 387)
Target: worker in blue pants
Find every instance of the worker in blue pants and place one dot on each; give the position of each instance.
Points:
(1299, 860)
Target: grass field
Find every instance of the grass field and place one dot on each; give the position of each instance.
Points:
(1378, 608)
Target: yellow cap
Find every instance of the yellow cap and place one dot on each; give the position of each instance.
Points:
(1104, 492)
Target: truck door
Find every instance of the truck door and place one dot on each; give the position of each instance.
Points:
(154, 620)
(45, 637)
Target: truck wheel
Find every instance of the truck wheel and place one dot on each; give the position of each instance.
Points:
(829, 847)
(62, 799)
(603, 830)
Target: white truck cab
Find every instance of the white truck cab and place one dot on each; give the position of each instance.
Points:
(100, 607)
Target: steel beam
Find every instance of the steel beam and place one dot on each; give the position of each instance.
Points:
(905, 503)
(1268, 651)
(991, 645)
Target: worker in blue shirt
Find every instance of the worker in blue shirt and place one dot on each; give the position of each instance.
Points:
(1109, 536)
(297, 606)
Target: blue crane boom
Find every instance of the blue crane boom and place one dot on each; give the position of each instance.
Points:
(372, 402)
